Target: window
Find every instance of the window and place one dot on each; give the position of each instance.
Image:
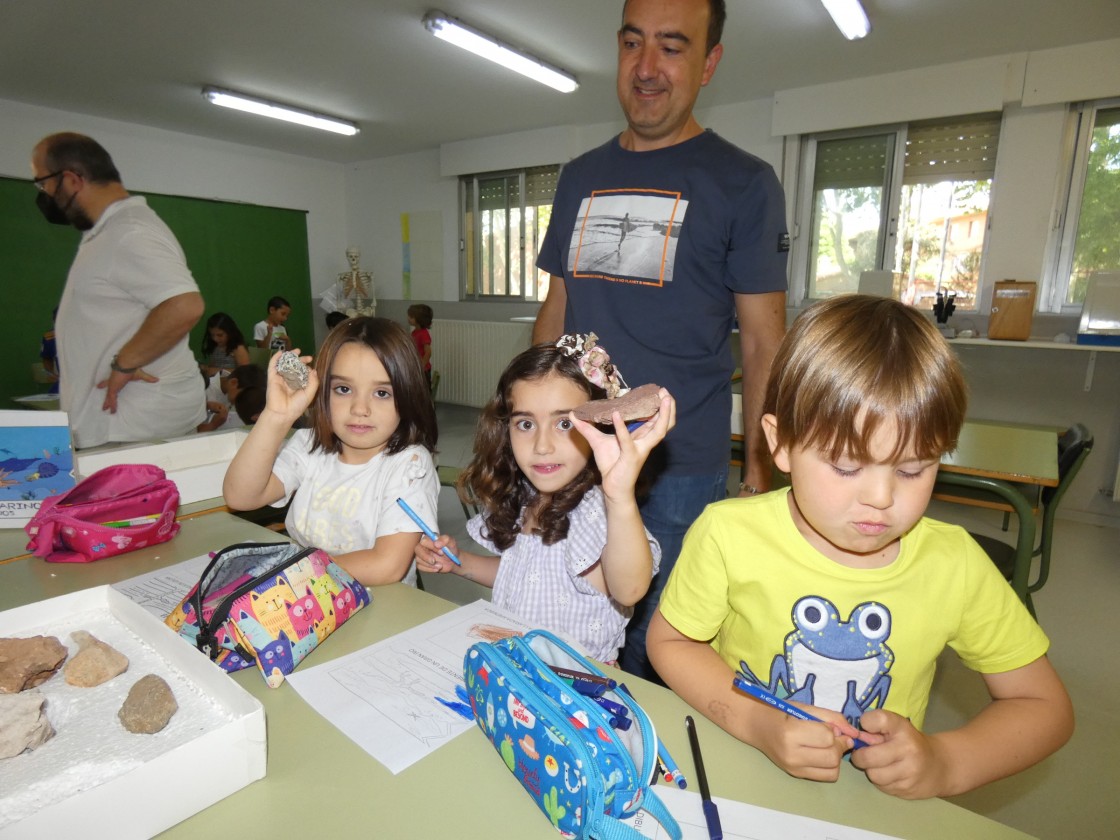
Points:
(1088, 228)
(911, 200)
(504, 218)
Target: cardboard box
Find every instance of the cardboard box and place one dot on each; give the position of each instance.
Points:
(197, 463)
(1012, 310)
(177, 784)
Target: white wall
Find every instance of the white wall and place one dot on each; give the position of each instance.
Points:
(153, 160)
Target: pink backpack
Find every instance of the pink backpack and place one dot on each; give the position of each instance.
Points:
(116, 510)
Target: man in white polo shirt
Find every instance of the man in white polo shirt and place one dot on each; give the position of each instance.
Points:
(130, 301)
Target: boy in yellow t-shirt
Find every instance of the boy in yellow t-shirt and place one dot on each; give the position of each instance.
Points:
(838, 595)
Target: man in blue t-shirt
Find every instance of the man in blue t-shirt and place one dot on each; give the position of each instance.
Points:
(658, 241)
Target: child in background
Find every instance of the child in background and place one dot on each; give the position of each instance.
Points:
(837, 594)
(575, 556)
(48, 354)
(222, 392)
(371, 439)
(271, 332)
(249, 403)
(420, 319)
(333, 319)
(223, 346)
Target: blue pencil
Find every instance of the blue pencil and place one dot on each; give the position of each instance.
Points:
(428, 532)
(782, 706)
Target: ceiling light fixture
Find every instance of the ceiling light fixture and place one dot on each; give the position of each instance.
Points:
(252, 105)
(849, 17)
(456, 32)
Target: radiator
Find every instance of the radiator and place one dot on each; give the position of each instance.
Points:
(471, 355)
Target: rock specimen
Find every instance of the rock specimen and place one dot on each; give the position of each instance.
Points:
(23, 725)
(149, 706)
(94, 663)
(294, 371)
(636, 404)
(26, 663)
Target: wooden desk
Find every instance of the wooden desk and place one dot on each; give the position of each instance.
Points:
(991, 464)
(319, 780)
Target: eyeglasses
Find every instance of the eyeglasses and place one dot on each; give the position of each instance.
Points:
(38, 182)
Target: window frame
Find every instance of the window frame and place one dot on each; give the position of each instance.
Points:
(1067, 207)
(474, 251)
(801, 152)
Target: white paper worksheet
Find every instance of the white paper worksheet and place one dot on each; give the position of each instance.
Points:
(741, 821)
(387, 697)
(160, 591)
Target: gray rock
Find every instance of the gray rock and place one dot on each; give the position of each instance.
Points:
(294, 371)
(26, 663)
(94, 663)
(23, 725)
(149, 706)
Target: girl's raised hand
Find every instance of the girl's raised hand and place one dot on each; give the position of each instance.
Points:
(282, 399)
(620, 456)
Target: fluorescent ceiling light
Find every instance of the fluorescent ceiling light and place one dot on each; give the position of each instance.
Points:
(458, 33)
(849, 17)
(241, 102)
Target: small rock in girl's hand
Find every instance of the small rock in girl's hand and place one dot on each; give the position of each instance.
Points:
(294, 371)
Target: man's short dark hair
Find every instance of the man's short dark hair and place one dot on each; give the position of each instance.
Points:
(717, 15)
(74, 152)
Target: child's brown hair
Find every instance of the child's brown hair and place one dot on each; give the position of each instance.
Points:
(851, 363)
(493, 480)
(410, 389)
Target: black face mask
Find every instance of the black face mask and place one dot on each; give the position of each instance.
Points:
(57, 215)
(50, 209)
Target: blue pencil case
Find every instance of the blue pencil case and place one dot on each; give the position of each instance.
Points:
(584, 774)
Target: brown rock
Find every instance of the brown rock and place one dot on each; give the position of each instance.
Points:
(148, 706)
(636, 404)
(23, 726)
(94, 663)
(26, 663)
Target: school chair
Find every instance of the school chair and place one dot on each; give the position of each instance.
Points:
(449, 477)
(1074, 446)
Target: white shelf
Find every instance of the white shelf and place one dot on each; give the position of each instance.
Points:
(1034, 344)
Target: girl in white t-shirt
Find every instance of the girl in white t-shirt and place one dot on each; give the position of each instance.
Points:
(371, 438)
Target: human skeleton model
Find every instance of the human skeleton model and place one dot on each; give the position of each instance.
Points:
(357, 292)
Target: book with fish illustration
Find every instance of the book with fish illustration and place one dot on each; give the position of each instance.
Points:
(36, 461)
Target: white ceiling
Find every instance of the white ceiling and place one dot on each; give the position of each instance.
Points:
(145, 61)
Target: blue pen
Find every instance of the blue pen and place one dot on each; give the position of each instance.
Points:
(672, 769)
(428, 532)
(782, 706)
(711, 812)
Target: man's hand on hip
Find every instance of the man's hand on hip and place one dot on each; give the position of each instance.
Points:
(116, 382)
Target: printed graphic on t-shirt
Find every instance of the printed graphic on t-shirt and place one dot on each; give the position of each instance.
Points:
(627, 236)
(833, 664)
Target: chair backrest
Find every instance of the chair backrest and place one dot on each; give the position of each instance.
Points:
(435, 383)
(1074, 445)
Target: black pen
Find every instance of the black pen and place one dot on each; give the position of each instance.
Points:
(711, 813)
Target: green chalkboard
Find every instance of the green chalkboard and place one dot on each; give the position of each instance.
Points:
(240, 254)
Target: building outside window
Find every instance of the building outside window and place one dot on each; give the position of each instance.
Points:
(503, 221)
(911, 200)
(1089, 228)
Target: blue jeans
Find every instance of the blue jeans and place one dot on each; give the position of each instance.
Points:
(670, 509)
